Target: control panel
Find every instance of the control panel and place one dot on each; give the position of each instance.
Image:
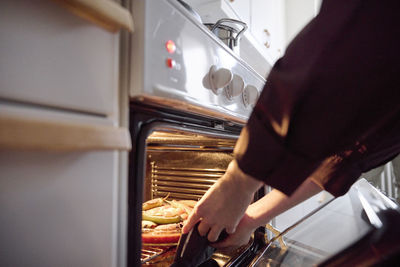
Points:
(183, 61)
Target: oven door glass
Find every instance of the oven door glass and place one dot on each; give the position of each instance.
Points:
(343, 232)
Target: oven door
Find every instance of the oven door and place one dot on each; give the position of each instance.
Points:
(357, 229)
(176, 155)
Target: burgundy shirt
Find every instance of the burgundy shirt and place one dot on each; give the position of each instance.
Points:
(330, 108)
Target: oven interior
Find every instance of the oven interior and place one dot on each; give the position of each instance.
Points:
(183, 164)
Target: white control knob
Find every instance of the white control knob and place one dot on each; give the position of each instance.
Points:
(250, 96)
(235, 87)
(219, 78)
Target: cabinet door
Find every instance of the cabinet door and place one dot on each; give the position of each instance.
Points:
(58, 209)
(59, 200)
(52, 57)
(267, 25)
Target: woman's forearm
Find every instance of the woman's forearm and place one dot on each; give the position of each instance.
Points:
(274, 203)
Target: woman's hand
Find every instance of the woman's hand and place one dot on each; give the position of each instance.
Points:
(241, 236)
(262, 211)
(223, 205)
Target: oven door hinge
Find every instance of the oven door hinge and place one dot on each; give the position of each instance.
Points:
(219, 126)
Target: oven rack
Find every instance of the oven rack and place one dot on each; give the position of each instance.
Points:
(182, 182)
(149, 253)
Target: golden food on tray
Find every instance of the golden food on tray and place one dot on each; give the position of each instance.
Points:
(162, 220)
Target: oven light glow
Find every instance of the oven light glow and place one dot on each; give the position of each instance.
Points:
(171, 47)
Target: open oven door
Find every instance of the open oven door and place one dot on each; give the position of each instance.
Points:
(360, 228)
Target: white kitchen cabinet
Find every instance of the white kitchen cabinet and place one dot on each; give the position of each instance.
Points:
(268, 25)
(272, 24)
(297, 15)
(51, 57)
(25, 127)
(251, 51)
(265, 20)
(61, 140)
(58, 209)
(242, 9)
(60, 188)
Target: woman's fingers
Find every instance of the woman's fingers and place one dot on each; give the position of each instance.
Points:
(190, 222)
(231, 230)
(203, 228)
(224, 204)
(214, 234)
(233, 241)
(241, 235)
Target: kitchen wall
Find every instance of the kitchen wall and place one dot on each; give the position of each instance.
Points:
(298, 14)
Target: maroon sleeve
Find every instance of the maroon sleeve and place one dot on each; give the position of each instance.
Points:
(338, 79)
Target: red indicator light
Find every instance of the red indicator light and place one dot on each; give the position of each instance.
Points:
(170, 63)
(171, 47)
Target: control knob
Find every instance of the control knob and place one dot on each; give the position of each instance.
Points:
(235, 87)
(250, 96)
(219, 78)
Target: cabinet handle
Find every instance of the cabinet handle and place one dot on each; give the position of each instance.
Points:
(20, 133)
(267, 43)
(105, 13)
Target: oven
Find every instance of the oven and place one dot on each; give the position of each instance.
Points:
(190, 96)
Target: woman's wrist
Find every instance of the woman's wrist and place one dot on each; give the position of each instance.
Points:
(248, 223)
(257, 215)
(247, 183)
